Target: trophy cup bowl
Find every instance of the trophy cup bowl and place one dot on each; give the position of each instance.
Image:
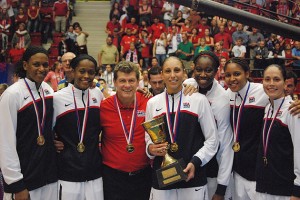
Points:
(171, 170)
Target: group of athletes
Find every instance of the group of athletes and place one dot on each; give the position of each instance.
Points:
(237, 144)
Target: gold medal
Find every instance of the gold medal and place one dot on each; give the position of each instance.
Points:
(236, 147)
(40, 140)
(130, 148)
(80, 147)
(174, 147)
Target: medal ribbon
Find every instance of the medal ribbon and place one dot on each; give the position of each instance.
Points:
(40, 125)
(173, 129)
(80, 131)
(236, 123)
(128, 135)
(265, 135)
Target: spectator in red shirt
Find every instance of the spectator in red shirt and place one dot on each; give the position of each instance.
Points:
(288, 56)
(209, 41)
(133, 26)
(145, 26)
(46, 19)
(186, 27)
(225, 37)
(202, 27)
(255, 8)
(126, 40)
(156, 8)
(116, 39)
(282, 10)
(194, 38)
(146, 42)
(296, 12)
(145, 12)
(219, 51)
(15, 54)
(33, 17)
(112, 25)
(158, 28)
(60, 15)
(229, 28)
(195, 18)
(21, 17)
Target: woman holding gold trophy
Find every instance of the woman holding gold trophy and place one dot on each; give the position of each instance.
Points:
(190, 134)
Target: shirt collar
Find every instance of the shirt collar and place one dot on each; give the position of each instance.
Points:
(243, 91)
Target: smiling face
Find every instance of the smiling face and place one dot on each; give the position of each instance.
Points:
(36, 67)
(84, 74)
(204, 72)
(126, 85)
(273, 83)
(173, 74)
(235, 77)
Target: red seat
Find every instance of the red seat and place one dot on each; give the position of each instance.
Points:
(36, 39)
(56, 38)
(54, 50)
(52, 60)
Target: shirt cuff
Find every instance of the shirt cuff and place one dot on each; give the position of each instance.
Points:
(196, 161)
(296, 191)
(221, 189)
(148, 154)
(14, 187)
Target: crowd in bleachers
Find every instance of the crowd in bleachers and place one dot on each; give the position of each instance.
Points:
(158, 29)
(148, 31)
(30, 22)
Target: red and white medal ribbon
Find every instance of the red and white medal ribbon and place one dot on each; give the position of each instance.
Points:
(80, 131)
(237, 123)
(266, 135)
(173, 127)
(128, 135)
(40, 124)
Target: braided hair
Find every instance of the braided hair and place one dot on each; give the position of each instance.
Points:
(30, 51)
(210, 55)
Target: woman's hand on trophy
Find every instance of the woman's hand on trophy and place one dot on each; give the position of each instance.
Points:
(158, 149)
(190, 171)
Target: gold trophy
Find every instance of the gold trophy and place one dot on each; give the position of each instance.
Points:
(171, 170)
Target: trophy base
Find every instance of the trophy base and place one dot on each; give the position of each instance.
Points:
(171, 174)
